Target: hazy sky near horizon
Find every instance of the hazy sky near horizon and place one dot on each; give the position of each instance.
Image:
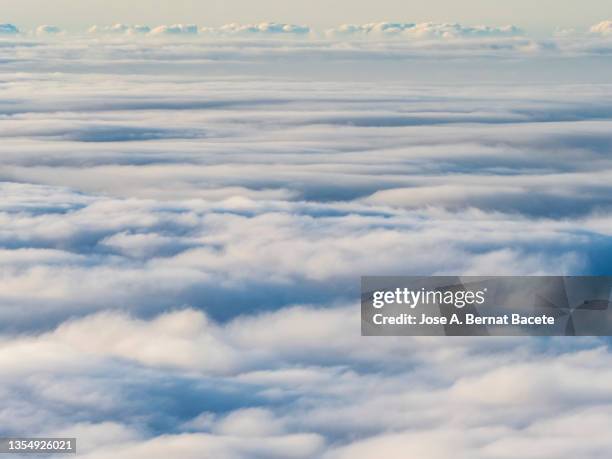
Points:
(534, 15)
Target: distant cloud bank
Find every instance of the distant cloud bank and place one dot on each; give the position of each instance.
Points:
(120, 29)
(374, 30)
(423, 30)
(264, 28)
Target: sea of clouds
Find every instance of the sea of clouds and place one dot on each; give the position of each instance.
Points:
(183, 225)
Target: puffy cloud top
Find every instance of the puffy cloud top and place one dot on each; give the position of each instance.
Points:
(8, 29)
(603, 28)
(422, 30)
(381, 28)
(263, 28)
(48, 30)
(176, 29)
(376, 30)
(125, 29)
(121, 29)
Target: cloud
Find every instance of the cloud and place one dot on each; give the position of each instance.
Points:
(8, 29)
(262, 29)
(580, 434)
(193, 446)
(421, 30)
(48, 30)
(205, 192)
(603, 28)
(317, 388)
(175, 29)
(183, 225)
(120, 29)
(250, 422)
(146, 256)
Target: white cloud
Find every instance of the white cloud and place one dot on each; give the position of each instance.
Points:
(261, 29)
(120, 29)
(180, 248)
(48, 30)
(196, 446)
(175, 29)
(421, 30)
(94, 436)
(602, 28)
(250, 422)
(199, 191)
(319, 383)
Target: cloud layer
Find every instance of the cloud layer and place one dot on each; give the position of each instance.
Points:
(183, 225)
